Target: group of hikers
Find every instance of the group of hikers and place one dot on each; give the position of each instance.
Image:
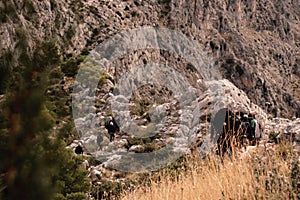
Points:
(239, 130)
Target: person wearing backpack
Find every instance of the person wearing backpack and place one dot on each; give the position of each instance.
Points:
(252, 128)
(111, 127)
(257, 133)
(79, 149)
(245, 127)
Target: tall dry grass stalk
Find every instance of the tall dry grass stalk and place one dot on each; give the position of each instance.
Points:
(259, 176)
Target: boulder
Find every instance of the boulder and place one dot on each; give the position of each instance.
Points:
(136, 148)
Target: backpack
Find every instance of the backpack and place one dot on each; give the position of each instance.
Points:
(107, 122)
(252, 123)
(245, 125)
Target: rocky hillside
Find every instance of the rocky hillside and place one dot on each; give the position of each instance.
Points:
(254, 43)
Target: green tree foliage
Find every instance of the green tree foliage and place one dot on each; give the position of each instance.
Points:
(33, 163)
(71, 178)
(71, 66)
(91, 71)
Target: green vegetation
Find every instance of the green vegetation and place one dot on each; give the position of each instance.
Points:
(68, 132)
(147, 143)
(90, 70)
(273, 137)
(31, 160)
(103, 78)
(141, 106)
(70, 66)
(69, 33)
(108, 190)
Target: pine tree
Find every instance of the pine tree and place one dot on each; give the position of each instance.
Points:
(33, 164)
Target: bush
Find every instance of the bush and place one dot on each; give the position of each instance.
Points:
(273, 137)
(107, 190)
(91, 72)
(76, 196)
(59, 197)
(46, 55)
(68, 132)
(140, 107)
(70, 67)
(55, 76)
(69, 34)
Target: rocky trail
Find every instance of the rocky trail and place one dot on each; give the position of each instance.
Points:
(275, 130)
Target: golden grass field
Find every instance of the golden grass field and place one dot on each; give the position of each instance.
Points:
(262, 174)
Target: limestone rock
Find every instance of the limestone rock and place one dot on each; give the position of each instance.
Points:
(136, 148)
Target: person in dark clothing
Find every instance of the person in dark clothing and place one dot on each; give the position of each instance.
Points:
(112, 127)
(79, 149)
(245, 125)
(227, 137)
(251, 135)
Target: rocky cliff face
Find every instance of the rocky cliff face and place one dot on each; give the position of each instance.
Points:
(254, 43)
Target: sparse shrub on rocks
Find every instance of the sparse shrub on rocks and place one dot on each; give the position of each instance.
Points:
(273, 137)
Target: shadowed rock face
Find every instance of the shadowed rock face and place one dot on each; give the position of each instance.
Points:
(255, 44)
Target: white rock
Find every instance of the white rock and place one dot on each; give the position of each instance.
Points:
(136, 148)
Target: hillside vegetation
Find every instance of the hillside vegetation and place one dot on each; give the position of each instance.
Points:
(259, 175)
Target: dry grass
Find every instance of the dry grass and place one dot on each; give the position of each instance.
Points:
(259, 176)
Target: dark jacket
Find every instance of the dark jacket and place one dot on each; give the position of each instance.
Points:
(111, 126)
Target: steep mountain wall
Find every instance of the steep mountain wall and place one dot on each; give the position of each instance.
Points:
(254, 43)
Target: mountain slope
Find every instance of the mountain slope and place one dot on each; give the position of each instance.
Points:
(254, 43)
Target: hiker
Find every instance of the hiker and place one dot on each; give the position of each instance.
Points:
(80, 133)
(236, 124)
(245, 130)
(112, 127)
(252, 128)
(236, 121)
(226, 138)
(257, 133)
(79, 149)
